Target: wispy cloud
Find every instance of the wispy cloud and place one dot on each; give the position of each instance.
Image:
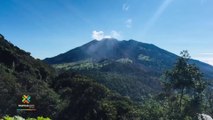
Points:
(115, 34)
(206, 57)
(156, 16)
(125, 7)
(128, 23)
(206, 53)
(207, 60)
(99, 35)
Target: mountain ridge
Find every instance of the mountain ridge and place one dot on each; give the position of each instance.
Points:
(106, 42)
(114, 49)
(130, 68)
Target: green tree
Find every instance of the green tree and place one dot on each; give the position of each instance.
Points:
(184, 85)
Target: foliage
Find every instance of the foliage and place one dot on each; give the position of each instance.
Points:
(184, 86)
(20, 118)
(152, 110)
(22, 74)
(119, 89)
(125, 79)
(88, 100)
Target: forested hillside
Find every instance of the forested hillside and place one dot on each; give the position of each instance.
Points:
(59, 95)
(131, 68)
(101, 90)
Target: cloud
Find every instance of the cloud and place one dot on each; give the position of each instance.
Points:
(207, 53)
(115, 34)
(99, 35)
(206, 57)
(208, 60)
(125, 7)
(128, 23)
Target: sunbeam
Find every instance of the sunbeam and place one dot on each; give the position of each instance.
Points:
(156, 16)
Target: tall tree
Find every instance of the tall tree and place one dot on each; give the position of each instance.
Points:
(185, 80)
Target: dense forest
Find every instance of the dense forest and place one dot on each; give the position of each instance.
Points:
(73, 94)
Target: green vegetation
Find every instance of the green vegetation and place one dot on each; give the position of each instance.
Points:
(20, 118)
(124, 60)
(184, 87)
(144, 58)
(21, 74)
(85, 99)
(80, 65)
(104, 90)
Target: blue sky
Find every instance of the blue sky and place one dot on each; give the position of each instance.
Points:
(50, 27)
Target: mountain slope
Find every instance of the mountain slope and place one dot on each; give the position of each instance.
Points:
(142, 54)
(21, 74)
(59, 96)
(130, 68)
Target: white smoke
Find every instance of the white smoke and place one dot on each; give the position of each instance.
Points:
(99, 35)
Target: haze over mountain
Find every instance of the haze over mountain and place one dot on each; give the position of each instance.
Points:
(145, 55)
(113, 80)
(128, 67)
